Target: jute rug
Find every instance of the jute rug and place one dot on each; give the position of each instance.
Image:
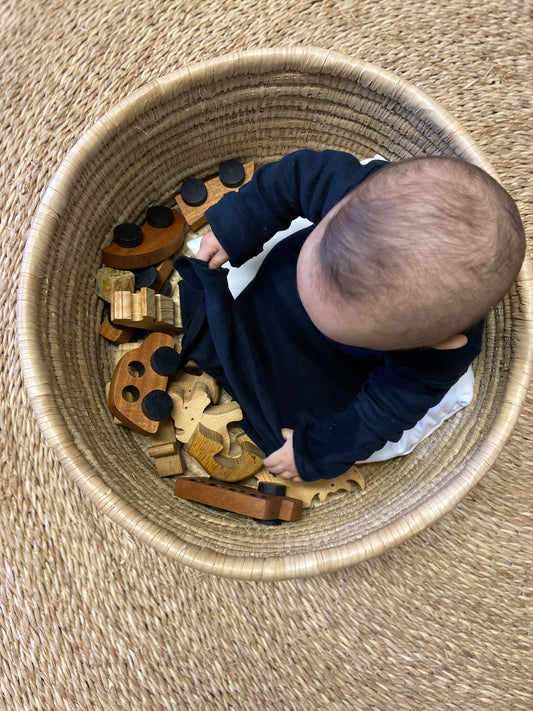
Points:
(92, 618)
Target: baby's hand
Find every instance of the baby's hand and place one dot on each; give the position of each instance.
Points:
(281, 462)
(212, 251)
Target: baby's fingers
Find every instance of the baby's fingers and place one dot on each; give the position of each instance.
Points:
(218, 260)
(211, 251)
(289, 476)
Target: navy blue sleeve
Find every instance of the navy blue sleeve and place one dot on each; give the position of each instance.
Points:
(393, 399)
(305, 183)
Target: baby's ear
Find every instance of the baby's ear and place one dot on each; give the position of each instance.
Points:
(452, 343)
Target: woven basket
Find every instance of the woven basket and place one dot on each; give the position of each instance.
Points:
(257, 105)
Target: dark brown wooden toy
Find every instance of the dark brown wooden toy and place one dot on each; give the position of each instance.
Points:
(114, 333)
(137, 394)
(207, 447)
(194, 214)
(160, 239)
(244, 500)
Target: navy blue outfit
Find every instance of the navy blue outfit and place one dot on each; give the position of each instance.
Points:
(344, 403)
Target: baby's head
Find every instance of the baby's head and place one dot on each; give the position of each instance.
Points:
(413, 257)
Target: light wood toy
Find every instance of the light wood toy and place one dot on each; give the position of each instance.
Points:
(185, 384)
(204, 428)
(137, 394)
(194, 406)
(124, 334)
(244, 500)
(146, 310)
(109, 280)
(157, 244)
(217, 418)
(207, 447)
(194, 215)
(188, 410)
(322, 488)
(165, 450)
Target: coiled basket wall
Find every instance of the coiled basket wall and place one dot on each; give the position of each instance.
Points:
(256, 105)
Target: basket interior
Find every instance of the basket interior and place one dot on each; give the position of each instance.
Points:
(138, 155)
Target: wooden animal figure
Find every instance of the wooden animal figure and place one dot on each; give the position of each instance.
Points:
(321, 488)
(197, 196)
(207, 447)
(135, 247)
(244, 500)
(203, 426)
(193, 397)
(185, 384)
(137, 394)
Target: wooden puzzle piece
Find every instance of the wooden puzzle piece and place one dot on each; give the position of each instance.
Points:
(194, 406)
(322, 488)
(194, 214)
(137, 394)
(146, 310)
(191, 395)
(244, 500)
(124, 334)
(165, 450)
(188, 411)
(217, 418)
(109, 280)
(156, 242)
(115, 334)
(207, 447)
(186, 383)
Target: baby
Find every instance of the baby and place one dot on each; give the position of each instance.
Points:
(353, 328)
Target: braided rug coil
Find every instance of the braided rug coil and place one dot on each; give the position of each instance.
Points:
(97, 607)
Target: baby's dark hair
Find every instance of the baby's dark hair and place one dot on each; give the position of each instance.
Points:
(434, 242)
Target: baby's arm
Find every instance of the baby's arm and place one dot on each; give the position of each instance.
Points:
(394, 398)
(302, 184)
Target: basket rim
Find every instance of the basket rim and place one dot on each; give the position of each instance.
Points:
(48, 413)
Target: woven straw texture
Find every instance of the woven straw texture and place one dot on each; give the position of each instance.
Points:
(94, 615)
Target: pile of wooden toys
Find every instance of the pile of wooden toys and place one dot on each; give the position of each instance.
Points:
(147, 393)
(177, 410)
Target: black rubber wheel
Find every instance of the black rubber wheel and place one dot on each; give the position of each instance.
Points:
(128, 235)
(231, 173)
(157, 405)
(193, 192)
(148, 277)
(267, 487)
(166, 289)
(165, 360)
(159, 216)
